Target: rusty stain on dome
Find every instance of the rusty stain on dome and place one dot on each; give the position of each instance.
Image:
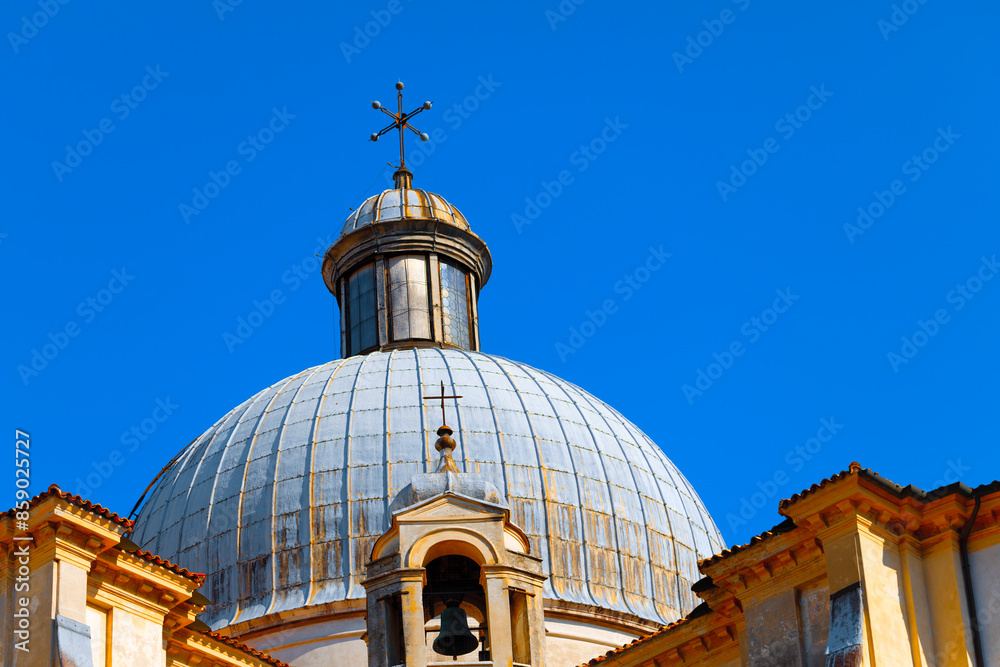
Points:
(281, 500)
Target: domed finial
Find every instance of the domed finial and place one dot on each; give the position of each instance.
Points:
(854, 467)
(399, 122)
(446, 445)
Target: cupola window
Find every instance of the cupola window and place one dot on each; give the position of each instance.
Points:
(455, 305)
(362, 327)
(408, 296)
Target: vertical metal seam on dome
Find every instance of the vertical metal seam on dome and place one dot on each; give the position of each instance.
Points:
(377, 209)
(182, 459)
(312, 478)
(215, 480)
(243, 484)
(420, 402)
(666, 511)
(644, 539)
(611, 500)
(194, 480)
(348, 563)
(232, 433)
(691, 492)
(458, 413)
(274, 490)
(538, 454)
(496, 422)
(576, 477)
(159, 489)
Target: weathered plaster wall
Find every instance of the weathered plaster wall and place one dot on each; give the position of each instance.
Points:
(320, 644)
(814, 618)
(97, 619)
(985, 565)
(773, 631)
(570, 643)
(135, 640)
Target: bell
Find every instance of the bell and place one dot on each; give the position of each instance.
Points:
(455, 638)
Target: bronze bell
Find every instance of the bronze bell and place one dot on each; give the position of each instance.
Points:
(455, 638)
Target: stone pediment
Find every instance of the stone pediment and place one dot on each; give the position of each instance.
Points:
(451, 507)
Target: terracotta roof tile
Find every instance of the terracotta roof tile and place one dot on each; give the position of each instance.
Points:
(249, 650)
(698, 611)
(166, 564)
(784, 527)
(899, 491)
(635, 642)
(83, 503)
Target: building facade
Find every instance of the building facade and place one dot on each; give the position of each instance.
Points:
(861, 572)
(75, 592)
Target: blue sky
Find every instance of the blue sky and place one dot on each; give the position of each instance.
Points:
(687, 177)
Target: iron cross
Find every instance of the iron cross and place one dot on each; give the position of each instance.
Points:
(442, 397)
(400, 122)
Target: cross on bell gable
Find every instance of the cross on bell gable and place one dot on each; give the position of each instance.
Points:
(442, 398)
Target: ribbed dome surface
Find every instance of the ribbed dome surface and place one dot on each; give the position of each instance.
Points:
(403, 203)
(280, 501)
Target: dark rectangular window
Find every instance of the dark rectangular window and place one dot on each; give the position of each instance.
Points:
(362, 310)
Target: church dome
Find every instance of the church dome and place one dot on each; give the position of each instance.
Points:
(280, 502)
(402, 204)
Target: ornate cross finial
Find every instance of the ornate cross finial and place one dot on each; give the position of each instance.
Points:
(442, 398)
(400, 122)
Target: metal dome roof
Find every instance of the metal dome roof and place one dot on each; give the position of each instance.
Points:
(281, 500)
(403, 203)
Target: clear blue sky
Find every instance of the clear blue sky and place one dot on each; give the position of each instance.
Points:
(833, 110)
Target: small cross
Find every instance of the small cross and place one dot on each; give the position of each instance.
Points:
(442, 397)
(399, 122)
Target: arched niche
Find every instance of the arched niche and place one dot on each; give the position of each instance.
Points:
(452, 541)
